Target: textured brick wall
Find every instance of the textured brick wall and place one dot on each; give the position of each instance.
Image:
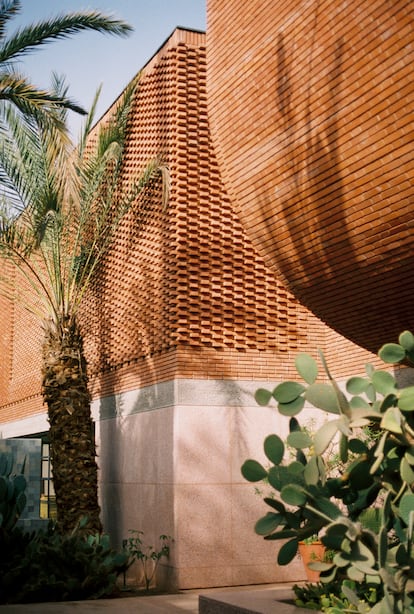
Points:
(192, 297)
(183, 292)
(311, 111)
(20, 348)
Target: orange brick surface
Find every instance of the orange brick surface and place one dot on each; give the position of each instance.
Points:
(183, 293)
(311, 108)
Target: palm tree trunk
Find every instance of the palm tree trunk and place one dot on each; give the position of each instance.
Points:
(72, 441)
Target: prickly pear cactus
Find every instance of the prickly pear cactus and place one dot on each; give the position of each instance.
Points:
(378, 473)
(12, 493)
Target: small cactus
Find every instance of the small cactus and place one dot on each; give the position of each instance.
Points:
(12, 493)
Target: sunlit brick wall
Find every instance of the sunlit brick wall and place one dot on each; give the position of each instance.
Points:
(20, 350)
(183, 292)
(192, 297)
(311, 112)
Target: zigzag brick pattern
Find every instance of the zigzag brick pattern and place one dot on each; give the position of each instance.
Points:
(187, 277)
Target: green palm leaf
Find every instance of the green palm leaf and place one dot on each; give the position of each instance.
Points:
(28, 38)
(15, 88)
(62, 207)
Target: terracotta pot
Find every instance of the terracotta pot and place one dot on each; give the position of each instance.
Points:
(310, 553)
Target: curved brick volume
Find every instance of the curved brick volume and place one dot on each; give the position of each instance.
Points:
(311, 110)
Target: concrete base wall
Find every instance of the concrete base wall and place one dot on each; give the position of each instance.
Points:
(170, 458)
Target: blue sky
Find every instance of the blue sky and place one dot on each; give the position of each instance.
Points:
(89, 59)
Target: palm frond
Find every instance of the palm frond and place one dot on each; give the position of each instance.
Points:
(74, 200)
(86, 129)
(18, 156)
(100, 164)
(31, 101)
(164, 169)
(60, 88)
(24, 40)
(8, 9)
(33, 159)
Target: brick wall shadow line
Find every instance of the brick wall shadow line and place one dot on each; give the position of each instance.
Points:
(312, 155)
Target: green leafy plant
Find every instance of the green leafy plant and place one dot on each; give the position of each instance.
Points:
(48, 566)
(331, 597)
(312, 539)
(148, 556)
(378, 473)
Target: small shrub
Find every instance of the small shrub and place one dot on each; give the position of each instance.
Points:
(330, 597)
(48, 566)
(148, 556)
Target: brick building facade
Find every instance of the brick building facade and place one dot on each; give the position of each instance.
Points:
(183, 324)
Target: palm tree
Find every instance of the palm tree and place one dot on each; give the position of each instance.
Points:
(15, 89)
(70, 203)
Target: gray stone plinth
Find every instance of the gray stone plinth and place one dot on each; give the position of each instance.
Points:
(263, 601)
